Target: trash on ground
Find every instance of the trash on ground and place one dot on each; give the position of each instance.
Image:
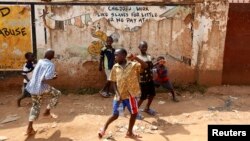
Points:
(10, 118)
(3, 138)
(161, 102)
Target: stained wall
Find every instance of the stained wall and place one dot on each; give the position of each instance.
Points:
(190, 35)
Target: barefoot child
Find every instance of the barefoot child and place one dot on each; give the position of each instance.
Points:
(161, 77)
(27, 73)
(37, 86)
(124, 76)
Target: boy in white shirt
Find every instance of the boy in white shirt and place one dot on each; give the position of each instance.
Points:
(39, 85)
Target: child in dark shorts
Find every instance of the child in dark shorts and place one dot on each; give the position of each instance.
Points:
(161, 78)
(146, 80)
(107, 60)
(27, 73)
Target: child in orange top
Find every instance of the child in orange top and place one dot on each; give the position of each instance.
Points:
(125, 80)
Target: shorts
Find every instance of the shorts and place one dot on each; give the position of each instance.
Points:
(24, 91)
(147, 89)
(130, 103)
(107, 72)
(167, 85)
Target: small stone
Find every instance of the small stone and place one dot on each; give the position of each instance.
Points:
(154, 127)
(122, 129)
(161, 102)
(186, 115)
(54, 125)
(71, 111)
(235, 111)
(3, 138)
(41, 130)
(142, 128)
(135, 128)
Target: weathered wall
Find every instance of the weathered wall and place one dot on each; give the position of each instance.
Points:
(209, 41)
(111, 1)
(191, 37)
(79, 40)
(15, 35)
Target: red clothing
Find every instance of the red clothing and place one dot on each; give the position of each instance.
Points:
(162, 74)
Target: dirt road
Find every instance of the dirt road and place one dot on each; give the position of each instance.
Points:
(80, 116)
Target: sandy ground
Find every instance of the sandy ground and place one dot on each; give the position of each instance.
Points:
(81, 116)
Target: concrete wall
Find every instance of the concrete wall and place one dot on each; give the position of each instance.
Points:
(85, 27)
(190, 35)
(209, 41)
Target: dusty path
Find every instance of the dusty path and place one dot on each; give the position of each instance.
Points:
(80, 116)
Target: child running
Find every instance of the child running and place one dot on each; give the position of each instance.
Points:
(125, 80)
(27, 73)
(38, 86)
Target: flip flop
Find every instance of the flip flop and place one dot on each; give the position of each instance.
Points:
(139, 116)
(101, 133)
(133, 136)
(150, 112)
(104, 94)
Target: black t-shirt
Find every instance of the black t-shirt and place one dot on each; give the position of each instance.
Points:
(108, 55)
(146, 75)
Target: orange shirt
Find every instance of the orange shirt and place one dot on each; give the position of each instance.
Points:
(127, 79)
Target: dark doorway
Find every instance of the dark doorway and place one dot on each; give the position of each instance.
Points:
(236, 65)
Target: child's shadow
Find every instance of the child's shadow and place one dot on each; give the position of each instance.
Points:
(54, 137)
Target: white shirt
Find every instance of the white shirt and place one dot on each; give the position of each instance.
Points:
(28, 72)
(44, 70)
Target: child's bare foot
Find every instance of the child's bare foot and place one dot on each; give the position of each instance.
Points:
(51, 115)
(132, 135)
(47, 114)
(175, 100)
(30, 132)
(101, 133)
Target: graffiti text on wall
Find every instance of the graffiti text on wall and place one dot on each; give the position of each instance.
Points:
(4, 11)
(15, 36)
(13, 32)
(130, 16)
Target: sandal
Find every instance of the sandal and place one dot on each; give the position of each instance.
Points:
(139, 116)
(101, 133)
(133, 136)
(104, 94)
(150, 111)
